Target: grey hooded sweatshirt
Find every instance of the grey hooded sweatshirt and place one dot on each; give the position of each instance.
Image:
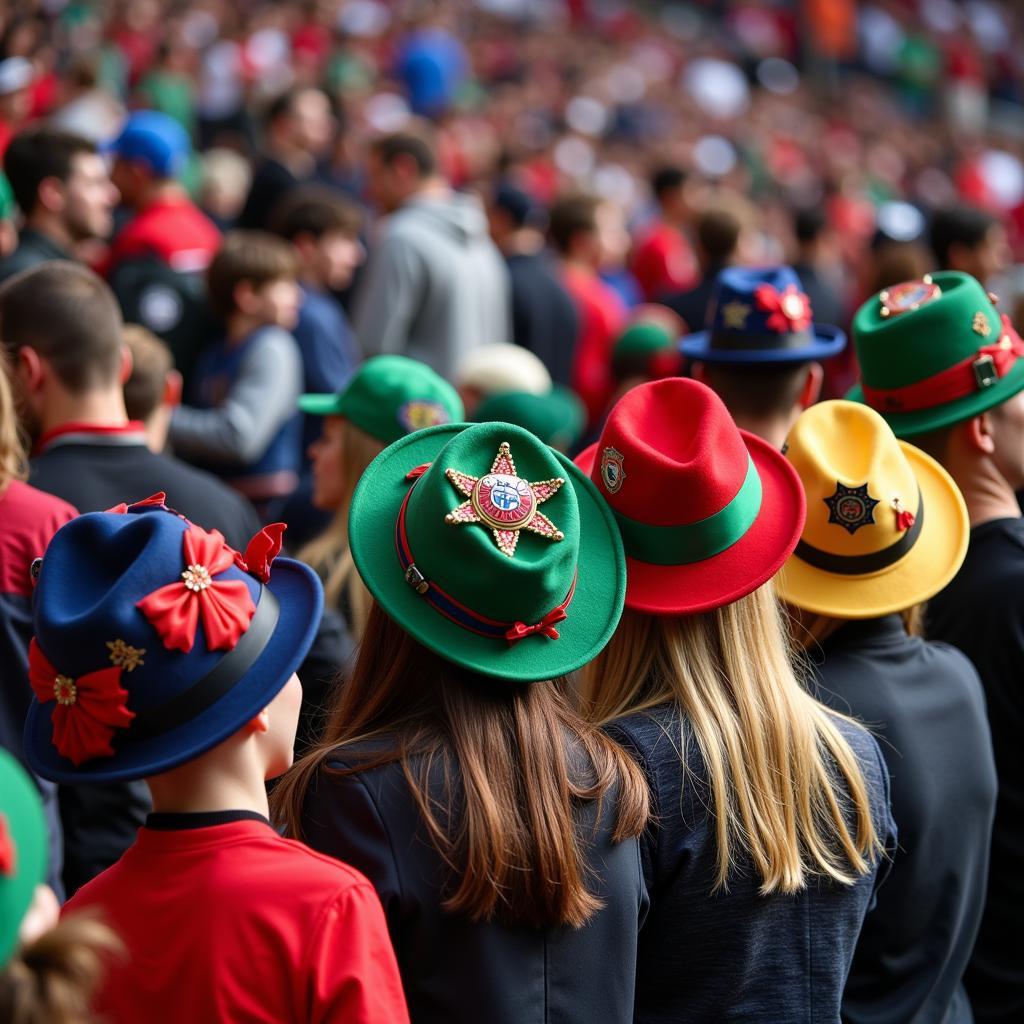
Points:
(436, 286)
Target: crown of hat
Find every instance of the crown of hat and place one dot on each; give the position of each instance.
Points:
(462, 557)
(759, 301)
(859, 483)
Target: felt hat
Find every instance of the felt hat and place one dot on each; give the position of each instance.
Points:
(491, 549)
(557, 418)
(648, 349)
(23, 849)
(155, 641)
(761, 315)
(934, 352)
(707, 512)
(502, 367)
(390, 396)
(886, 525)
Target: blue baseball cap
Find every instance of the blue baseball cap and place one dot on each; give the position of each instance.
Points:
(154, 139)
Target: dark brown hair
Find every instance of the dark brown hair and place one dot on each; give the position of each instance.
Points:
(151, 362)
(718, 233)
(757, 390)
(503, 821)
(415, 142)
(37, 154)
(70, 317)
(315, 210)
(254, 256)
(570, 216)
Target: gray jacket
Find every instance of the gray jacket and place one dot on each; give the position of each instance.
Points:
(436, 286)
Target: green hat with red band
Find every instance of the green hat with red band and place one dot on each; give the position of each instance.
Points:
(491, 549)
(935, 352)
(23, 849)
(390, 396)
(707, 512)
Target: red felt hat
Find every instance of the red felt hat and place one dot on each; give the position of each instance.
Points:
(707, 512)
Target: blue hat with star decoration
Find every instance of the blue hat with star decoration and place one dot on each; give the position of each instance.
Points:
(761, 315)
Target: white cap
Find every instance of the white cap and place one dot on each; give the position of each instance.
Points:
(490, 369)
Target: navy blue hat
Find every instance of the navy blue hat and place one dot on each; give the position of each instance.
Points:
(153, 139)
(761, 315)
(155, 641)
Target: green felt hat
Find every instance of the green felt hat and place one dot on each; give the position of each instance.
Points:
(934, 352)
(491, 549)
(646, 347)
(389, 397)
(557, 418)
(6, 198)
(23, 845)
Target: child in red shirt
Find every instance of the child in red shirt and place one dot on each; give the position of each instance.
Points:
(161, 653)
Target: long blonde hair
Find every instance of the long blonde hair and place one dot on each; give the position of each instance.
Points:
(12, 452)
(329, 553)
(770, 750)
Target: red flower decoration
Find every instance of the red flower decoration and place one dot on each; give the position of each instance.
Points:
(159, 500)
(8, 853)
(227, 609)
(89, 709)
(261, 552)
(790, 309)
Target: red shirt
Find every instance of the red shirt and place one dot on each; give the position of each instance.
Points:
(602, 318)
(230, 922)
(663, 262)
(173, 229)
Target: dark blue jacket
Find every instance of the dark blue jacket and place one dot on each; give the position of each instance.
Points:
(734, 956)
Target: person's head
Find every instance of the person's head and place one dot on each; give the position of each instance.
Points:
(968, 239)
(490, 369)
(815, 238)
(510, 211)
(252, 279)
(16, 75)
(60, 328)
(301, 119)
(324, 229)
(401, 164)
(154, 387)
(718, 230)
(61, 185)
(894, 262)
(589, 230)
(225, 180)
(668, 186)
(152, 149)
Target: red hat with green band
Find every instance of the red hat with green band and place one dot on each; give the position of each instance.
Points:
(935, 352)
(707, 512)
(491, 549)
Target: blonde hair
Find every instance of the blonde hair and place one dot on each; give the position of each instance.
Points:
(770, 750)
(12, 452)
(329, 554)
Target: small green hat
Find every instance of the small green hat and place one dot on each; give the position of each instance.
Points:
(23, 844)
(557, 418)
(934, 352)
(389, 397)
(491, 549)
(646, 348)
(6, 198)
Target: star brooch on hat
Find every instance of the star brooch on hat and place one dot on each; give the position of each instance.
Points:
(505, 502)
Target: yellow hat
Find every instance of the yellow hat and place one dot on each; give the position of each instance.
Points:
(886, 525)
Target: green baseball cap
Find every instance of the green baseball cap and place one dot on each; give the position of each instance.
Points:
(557, 418)
(389, 397)
(934, 352)
(23, 849)
(491, 549)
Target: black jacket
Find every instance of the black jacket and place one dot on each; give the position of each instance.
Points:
(925, 705)
(458, 972)
(33, 248)
(734, 957)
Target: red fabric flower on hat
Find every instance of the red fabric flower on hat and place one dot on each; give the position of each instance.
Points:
(225, 605)
(159, 500)
(790, 309)
(8, 853)
(89, 709)
(261, 552)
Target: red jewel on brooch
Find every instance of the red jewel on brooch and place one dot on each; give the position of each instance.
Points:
(790, 309)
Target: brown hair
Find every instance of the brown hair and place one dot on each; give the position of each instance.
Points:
(52, 980)
(315, 210)
(415, 142)
(504, 821)
(254, 256)
(757, 390)
(70, 317)
(718, 233)
(12, 453)
(570, 216)
(151, 362)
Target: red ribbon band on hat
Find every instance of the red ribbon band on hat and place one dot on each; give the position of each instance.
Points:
(8, 852)
(957, 381)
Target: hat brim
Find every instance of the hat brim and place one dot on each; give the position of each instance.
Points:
(738, 570)
(827, 342)
(591, 617)
(300, 596)
(908, 424)
(931, 563)
(321, 405)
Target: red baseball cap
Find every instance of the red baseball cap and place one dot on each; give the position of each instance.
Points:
(707, 512)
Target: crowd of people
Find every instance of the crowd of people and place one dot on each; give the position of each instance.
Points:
(509, 511)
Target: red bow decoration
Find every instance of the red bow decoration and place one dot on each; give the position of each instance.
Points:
(261, 551)
(905, 519)
(8, 853)
(226, 607)
(790, 309)
(159, 500)
(545, 626)
(417, 471)
(89, 709)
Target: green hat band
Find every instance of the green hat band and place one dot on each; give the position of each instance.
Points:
(694, 542)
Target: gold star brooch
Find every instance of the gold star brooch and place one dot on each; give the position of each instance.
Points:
(124, 655)
(734, 315)
(505, 502)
